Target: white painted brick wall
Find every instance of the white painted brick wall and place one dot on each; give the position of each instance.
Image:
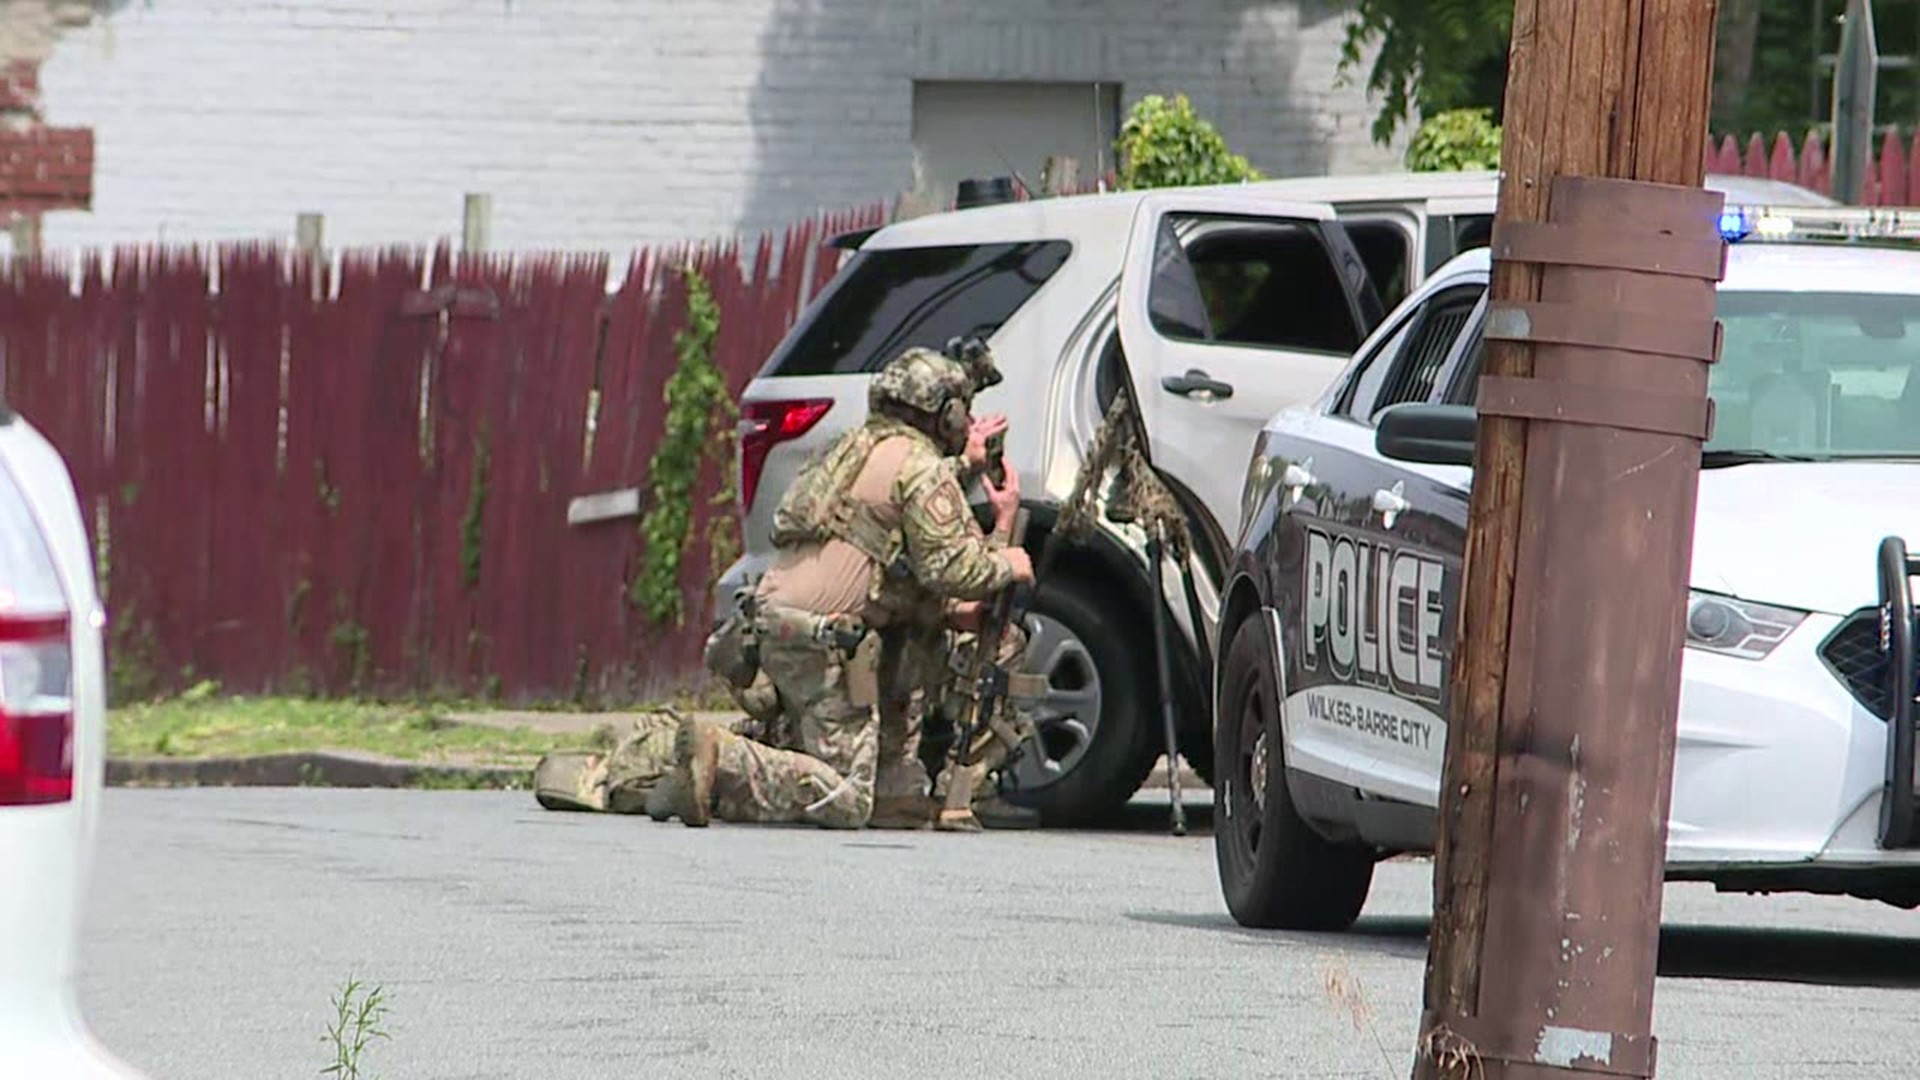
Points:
(611, 123)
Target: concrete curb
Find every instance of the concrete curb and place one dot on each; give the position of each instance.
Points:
(340, 769)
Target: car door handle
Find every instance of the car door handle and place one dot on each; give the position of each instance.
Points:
(1390, 503)
(1194, 382)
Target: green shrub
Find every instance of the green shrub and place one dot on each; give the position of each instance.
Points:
(1166, 144)
(1457, 140)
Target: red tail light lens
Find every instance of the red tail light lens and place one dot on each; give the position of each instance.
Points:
(36, 711)
(766, 424)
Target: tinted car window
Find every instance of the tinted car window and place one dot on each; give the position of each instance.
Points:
(891, 299)
(1407, 366)
(1248, 282)
(1464, 386)
(1417, 370)
(1176, 303)
(1357, 400)
(1388, 255)
(1449, 236)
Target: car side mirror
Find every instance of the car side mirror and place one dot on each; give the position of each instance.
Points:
(1427, 434)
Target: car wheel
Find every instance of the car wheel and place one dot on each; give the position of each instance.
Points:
(1096, 722)
(1275, 871)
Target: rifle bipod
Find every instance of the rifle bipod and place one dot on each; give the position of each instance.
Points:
(1156, 554)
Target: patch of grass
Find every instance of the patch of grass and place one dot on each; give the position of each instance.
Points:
(356, 1024)
(201, 725)
(462, 781)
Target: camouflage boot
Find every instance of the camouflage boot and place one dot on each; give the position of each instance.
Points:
(911, 812)
(662, 797)
(995, 812)
(571, 780)
(696, 753)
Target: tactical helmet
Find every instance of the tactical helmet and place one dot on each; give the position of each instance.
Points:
(929, 383)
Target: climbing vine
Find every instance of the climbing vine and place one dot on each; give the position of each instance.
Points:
(696, 397)
(723, 530)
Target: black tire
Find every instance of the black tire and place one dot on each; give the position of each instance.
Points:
(1126, 741)
(1276, 873)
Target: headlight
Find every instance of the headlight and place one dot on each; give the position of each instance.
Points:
(1742, 628)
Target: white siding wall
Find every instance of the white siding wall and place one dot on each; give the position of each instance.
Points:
(608, 123)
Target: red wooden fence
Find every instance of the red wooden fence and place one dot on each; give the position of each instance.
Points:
(355, 478)
(1893, 180)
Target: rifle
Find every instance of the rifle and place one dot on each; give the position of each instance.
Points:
(1138, 496)
(989, 681)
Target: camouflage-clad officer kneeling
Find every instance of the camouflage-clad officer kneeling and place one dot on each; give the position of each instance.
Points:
(874, 528)
(924, 696)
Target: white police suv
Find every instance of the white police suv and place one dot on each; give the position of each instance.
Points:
(1794, 770)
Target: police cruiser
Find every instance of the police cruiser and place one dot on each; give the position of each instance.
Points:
(1338, 626)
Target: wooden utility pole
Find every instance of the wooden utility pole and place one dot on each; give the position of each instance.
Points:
(1565, 687)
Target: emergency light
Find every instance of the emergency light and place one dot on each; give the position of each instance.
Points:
(1818, 224)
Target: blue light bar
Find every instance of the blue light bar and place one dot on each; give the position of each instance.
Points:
(1819, 224)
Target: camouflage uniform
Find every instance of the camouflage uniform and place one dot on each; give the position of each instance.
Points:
(945, 652)
(624, 778)
(634, 773)
(874, 534)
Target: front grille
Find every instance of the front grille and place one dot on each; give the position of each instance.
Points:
(1852, 653)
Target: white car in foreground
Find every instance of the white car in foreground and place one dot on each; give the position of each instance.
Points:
(53, 730)
(1331, 722)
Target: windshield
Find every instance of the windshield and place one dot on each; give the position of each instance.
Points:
(1817, 375)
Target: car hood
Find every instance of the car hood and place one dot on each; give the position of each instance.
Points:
(1803, 535)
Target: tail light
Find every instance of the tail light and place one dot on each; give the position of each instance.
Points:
(766, 424)
(36, 661)
(36, 711)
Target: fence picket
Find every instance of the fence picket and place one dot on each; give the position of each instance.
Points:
(1890, 180)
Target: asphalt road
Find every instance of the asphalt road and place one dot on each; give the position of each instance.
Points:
(514, 942)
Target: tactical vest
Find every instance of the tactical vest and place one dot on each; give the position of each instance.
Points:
(820, 505)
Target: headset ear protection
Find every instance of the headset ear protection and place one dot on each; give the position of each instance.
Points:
(953, 419)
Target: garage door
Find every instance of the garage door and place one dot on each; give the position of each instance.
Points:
(981, 129)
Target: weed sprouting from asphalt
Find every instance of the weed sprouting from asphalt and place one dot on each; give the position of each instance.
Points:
(356, 1023)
